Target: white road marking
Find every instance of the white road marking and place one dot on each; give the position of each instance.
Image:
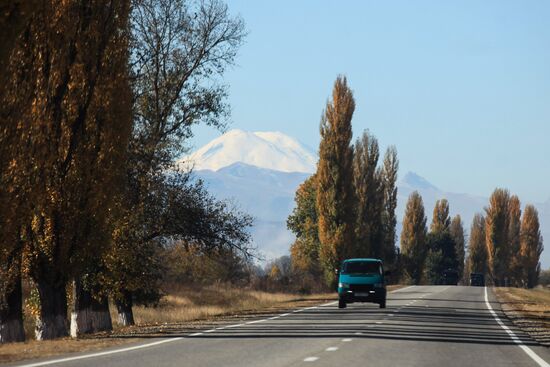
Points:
(331, 349)
(347, 340)
(534, 356)
(232, 326)
(152, 344)
(358, 333)
(378, 322)
(69, 359)
(311, 359)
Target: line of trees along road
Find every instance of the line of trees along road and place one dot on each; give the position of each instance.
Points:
(347, 208)
(97, 99)
(504, 244)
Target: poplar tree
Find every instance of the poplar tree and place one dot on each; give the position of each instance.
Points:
(514, 227)
(457, 233)
(413, 238)
(77, 129)
(369, 195)
(496, 235)
(335, 194)
(441, 221)
(531, 246)
(389, 190)
(477, 249)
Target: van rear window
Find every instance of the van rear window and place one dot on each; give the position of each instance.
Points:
(362, 267)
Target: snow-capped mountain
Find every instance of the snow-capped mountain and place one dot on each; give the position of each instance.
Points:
(261, 171)
(271, 150)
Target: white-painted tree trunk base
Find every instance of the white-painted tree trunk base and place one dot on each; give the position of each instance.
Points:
(50, 328)
(88, 321)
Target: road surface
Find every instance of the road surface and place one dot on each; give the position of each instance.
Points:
(421, 326)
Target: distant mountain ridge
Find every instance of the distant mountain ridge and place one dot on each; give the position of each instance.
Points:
(260, 173)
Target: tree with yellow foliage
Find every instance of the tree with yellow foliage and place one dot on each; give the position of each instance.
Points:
(531, 246)
(335, 194)
(413, 238)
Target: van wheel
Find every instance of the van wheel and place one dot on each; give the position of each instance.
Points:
(341, 303)
(383, 303)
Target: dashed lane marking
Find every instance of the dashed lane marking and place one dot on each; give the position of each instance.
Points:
(311, 359)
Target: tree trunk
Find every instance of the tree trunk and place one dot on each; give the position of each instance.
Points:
(90, 315)
(124, 309)
(11, 315)
(52, 320)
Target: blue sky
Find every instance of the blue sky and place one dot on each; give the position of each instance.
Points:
(461, 88)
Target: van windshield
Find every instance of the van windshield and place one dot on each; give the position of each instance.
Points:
(362, 267)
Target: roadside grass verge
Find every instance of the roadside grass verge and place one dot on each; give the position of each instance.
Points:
(529, 309)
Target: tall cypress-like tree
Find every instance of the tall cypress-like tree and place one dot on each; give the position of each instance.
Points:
(369, 194)
(335, 195)
(531, 246)
(413, 238)
(441, 246)
(514, 226)
(496, 236)
(477, 250)
(441, 221)
(389, 189)
(457, 233)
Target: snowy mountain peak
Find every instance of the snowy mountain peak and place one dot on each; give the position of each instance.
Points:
(416, 182)
(271, 150)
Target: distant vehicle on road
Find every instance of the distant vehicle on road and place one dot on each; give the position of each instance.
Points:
(477, 280)
(361, 280)
(450, 277)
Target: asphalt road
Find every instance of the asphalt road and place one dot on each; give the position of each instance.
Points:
(421, 326)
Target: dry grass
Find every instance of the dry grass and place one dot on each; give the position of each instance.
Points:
(191, 304)
(529, 309)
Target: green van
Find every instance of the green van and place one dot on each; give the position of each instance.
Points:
(361, 280)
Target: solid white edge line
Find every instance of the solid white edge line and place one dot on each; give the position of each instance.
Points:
(152, 344)
(99, 354)
(534, 356)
